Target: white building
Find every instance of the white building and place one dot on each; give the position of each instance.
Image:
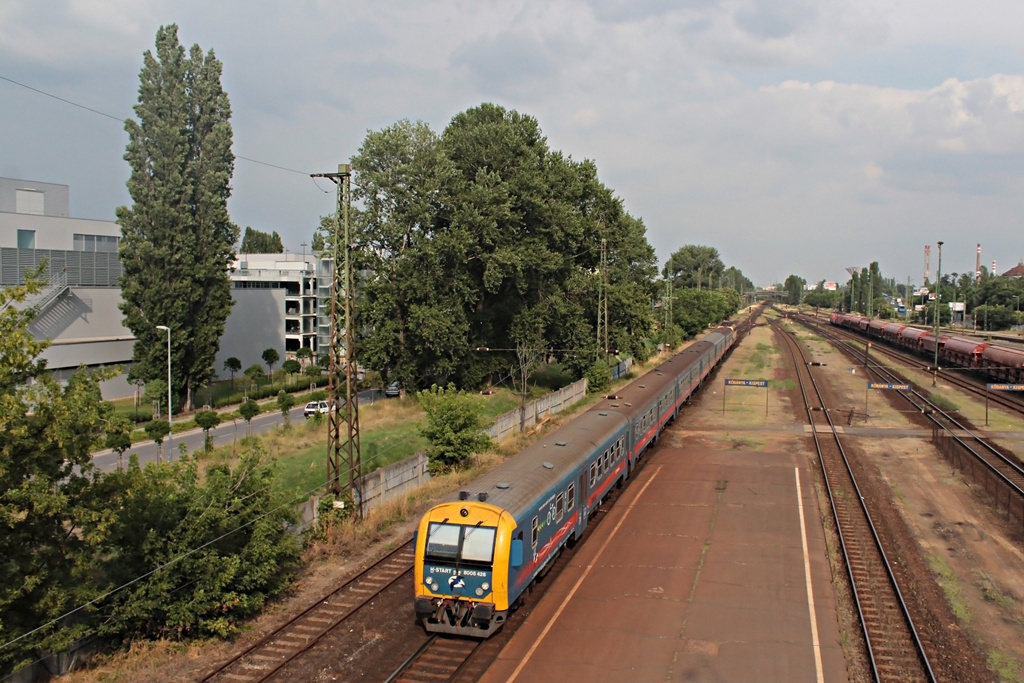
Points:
(79, 307)
(275, 307)
(275, 295)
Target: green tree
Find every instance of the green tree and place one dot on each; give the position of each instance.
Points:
(213, 548)
(177, 239)
(285, 402)
(248, 410)
(694, 265)
(157, 430)
(291, 367)
(257, 242)
(207, 420)
(156, 392)
(794, 289)
(118, 436)
(304, 355)
(233, 365)
(454, 427)
(254, 373)
(270, 356)
(51, 519)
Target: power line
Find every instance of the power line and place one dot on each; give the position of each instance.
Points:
(112, 117)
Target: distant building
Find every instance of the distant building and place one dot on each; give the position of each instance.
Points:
(79, 305)
(276, 299)
(1016, 271)
(275, 307)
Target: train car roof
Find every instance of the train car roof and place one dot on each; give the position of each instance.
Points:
(913, 333)
(964, 345)
(515, 483)
(1013, 358)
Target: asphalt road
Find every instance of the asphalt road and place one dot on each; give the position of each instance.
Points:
(227, 432)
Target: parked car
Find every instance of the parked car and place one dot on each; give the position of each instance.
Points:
(392, 390)
(316, 408)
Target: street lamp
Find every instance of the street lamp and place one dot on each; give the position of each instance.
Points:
(938, 295)
(170, 423)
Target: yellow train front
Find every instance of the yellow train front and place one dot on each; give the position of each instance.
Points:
(463, 552)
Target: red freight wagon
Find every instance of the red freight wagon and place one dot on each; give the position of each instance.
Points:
(1004, 363)
(963, 351)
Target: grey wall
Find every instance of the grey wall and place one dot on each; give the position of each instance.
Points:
(55, 201)
(256, 323)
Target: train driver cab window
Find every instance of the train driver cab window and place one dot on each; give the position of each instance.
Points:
(560, 507)
(533, 533)
(571, 503)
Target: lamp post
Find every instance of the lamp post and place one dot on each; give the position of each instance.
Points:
(938, 295)
(170, 412)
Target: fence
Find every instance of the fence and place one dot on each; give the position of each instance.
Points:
(534, 411)
(960, 457)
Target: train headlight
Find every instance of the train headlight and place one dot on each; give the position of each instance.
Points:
(479, 591)
(485, 586)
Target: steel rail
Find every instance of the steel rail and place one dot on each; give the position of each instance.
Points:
(289, 641)
(879, 633)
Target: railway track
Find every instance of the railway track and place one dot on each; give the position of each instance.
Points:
(291, 640)
(963, 378)
(1001, 474)
(894, 648)
(438, 659)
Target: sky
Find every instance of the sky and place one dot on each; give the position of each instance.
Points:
(795, 136)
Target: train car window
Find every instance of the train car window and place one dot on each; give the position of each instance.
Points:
(593, 473)
(443, 541)
(478, 544)
(560, 507)
(533, 533)
(571, 493)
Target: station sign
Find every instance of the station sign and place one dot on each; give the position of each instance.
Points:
(1006, 387)
(746, 383)
(884, 385)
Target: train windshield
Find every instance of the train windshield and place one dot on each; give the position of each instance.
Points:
(456, 542)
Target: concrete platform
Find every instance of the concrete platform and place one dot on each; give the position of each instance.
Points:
(699, 573)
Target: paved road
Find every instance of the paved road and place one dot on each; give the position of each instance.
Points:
(225, 433)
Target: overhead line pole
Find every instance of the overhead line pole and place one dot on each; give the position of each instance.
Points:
(343, 452)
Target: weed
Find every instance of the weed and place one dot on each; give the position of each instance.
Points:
(951, 587)
(1007, 668)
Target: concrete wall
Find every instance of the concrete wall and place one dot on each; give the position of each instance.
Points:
(55, 197)
(52, 232)
(535, 411)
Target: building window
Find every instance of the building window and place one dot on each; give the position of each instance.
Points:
(29, 201)
(107, 243)
(26, 239)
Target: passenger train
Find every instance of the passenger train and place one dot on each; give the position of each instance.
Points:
(477, 553)
(1002, 363)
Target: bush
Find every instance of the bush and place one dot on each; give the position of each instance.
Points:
(599, 376)
(454, 428)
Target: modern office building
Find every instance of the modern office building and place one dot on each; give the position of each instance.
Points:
(79, 306)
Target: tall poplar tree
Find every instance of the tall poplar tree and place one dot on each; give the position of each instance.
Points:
(177, 239)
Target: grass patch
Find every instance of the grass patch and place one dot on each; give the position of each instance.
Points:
(1007, 668)
(943, 402)
(951, 587)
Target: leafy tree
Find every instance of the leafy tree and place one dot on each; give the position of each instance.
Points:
(233, 365)
(304, 355)
(292, 367)
(257, 242)
(213, 548)
(454, 427)
(248, 410)
(599, 376)
(177, 239)
(118, 436)
(313, 371)
(157, 430)
(795, 289)
(270, 356)
(693, 265)
(156, 392)
(51, 519)
(207, 420)
(254, 373)
(285, 402)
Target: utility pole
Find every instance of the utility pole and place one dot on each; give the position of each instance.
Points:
(938, 295)
(342, 450)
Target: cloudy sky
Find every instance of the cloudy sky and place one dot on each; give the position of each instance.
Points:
(795, 136)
